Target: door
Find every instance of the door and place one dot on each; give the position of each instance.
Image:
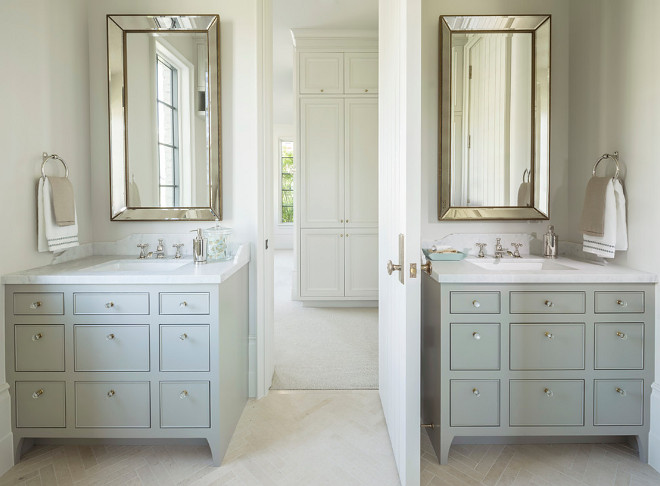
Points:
(361, 263)
(322, 263)
(399, 182)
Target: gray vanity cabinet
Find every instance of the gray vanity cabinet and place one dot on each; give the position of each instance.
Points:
(536, 360)
(129, 362)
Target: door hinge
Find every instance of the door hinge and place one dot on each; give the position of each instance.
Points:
(266, 243)
(469, 141)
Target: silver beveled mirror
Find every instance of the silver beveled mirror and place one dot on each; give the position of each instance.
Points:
(494, 120)
(164, 117)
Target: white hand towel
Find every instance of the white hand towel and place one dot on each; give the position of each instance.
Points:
(621, 224)
(615, 233)
(52, 237)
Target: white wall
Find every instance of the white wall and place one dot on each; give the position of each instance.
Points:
(432, 9)
(615, 105)
(44, 99)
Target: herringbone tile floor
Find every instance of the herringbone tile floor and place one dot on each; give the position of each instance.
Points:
(326, 438)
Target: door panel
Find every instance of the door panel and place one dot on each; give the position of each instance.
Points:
(361, 270)
(321, 263)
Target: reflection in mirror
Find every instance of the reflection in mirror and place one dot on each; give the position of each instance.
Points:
(494, 140)
(165, 150)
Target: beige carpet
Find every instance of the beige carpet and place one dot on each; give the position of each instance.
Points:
(321, 348)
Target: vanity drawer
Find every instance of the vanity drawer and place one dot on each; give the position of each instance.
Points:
(113, 303)
(546, 402)
(475, 346)
(619, 345)
(618, 302)
(112, 404)
(40, 404)
(475, 403)
(547, 302)
(184, 348)
(618, 402)
(174, 304)
(184, 404)
(547, 346)
(39, 348)
(38, 303)
(474, 303)
(111, 348)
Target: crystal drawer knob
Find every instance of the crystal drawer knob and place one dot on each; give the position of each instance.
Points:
(548, 392)
(183, 336)
(35, 305)
(621, 335)
(621, 303)
(111, 393)
(183, 394)
(109, 305)
(110, 337)
(548, 303)
(476, 392)
(476, 335)
(620, 391)
(549, 335)
(183, 304)
(38, 393)
(37, 336)
(476, 303)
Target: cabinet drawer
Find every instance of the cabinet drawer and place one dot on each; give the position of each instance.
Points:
(618, 302)
(546, 402)
(184, 404)
(40, 404)
(361, 72)
(475, 403)
(547, 303)
(618, 402)
(39, 348)
(111, 348)
(547, 346)
(619, 345)
(184, 348)
(474, 303)
(38, 303)
(113, 303)
(174, 304)
(112, 404)
(321, 72)
(475, 346)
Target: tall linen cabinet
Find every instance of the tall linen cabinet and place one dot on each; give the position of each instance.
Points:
(336, 86)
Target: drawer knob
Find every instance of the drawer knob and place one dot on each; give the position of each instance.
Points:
(476, 303)
(476, 335)
(620, 391)
(109, 305)
(183, 336)
(111, 393)
(38, 393)
(110, 337)
(476, 392)
(548, 392)
(183, 304)
(183, 394)
(37, 336)
(548, 303)
(622, 303)
(366, 90)
(35, 305)
(322, 90)
(549, 335)
(621, 335)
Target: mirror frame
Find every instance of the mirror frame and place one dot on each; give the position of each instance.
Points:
(117, 27)
(445, 210)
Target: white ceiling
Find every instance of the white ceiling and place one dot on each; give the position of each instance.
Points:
(311, 14)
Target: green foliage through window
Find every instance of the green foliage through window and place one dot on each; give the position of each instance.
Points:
(286, 170)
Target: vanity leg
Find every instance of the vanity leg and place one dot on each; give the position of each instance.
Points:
(445, 445)
(21, 444)
(643, 447)
(214, 445)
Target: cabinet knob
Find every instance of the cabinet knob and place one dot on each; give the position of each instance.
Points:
(620, 391)
(622, 303)
(476, 392)
(110, 337)
(35, 305)
(183, 394)
(347, 221)
(109, 305)
(38, 393)
(346, 235)
(476, 335)
(341, 236)
(111, 394)
(341, 220)
(366, 90)
(476, 303)
(549, 335)
(548, 303)
(548, 392)
(183, 304)
(183, 336)
(621, 335)
(37, 336)
(322, 90)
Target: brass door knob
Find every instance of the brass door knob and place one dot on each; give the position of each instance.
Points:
(391, 267)
(427, 267)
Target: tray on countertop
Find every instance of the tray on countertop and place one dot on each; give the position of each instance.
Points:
(445, 257)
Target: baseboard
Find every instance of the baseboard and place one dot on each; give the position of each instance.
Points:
(340, 303)
(252, 373)
(6, 436)
(654, 434)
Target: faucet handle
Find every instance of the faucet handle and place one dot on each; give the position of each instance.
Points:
(516, 253)
(481, 249)
(178, 249)
(143, 250)
(160, 245)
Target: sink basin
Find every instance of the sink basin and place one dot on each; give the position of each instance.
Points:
(517, 264)
(149, 266)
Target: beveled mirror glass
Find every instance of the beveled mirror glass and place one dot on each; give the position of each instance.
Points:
(164, 117)
(494, 123)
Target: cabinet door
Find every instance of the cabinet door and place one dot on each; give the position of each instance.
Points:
(361, 264)
(361, 72)
(322, 263)
(322, 163)
(361, 162)
(321, 72)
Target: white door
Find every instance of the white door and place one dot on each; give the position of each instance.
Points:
(399, 213)
(321, 163)
(361, 263)
(361, 72)
(322, 263)
(361, 188)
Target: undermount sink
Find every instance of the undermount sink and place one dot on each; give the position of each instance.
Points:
(151, 266)
(517, 264)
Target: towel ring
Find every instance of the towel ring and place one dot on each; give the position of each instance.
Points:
(615, 157)
(55, 157)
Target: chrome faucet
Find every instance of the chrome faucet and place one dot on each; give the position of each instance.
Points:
(178, 249)
(499, 250)
(143, 251)
(160, 249)
(481, 250)
(516, 252)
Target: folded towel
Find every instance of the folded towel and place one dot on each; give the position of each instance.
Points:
(64, 208)
(524, 194)
(50, 236)
(615, 232)
(442, 249)
(593, 210)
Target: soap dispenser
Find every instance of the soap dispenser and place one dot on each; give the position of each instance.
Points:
(550, 243)
(200, 244)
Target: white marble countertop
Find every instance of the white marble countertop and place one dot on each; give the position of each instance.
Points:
(578, 272)
(81, 271)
